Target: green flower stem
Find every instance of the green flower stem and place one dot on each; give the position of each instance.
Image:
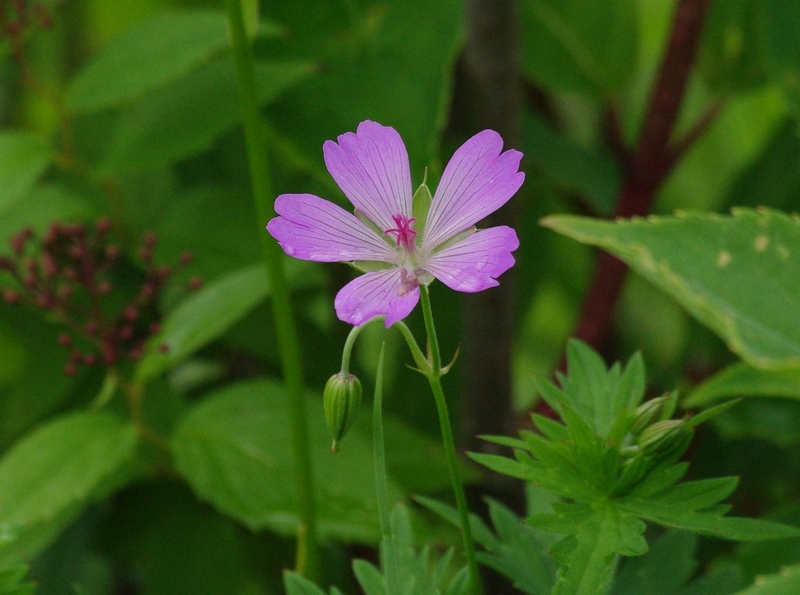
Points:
(434, 378)
(307, 554)
(389, 561)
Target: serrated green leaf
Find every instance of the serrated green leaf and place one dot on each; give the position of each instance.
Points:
(233, 448)
(23, 158)
(717, 267)
(606, 531)
(678, 516)
(297, 585)
(185, 116)
(549, 428)
(203, 317)
(500, 464)
(786, 582)
(369, 577)
(480, 532)
(149, 54)
(697, 495)
(743, 380)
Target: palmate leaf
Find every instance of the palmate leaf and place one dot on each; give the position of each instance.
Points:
(615, 464)
(739, 274)
(516, 550)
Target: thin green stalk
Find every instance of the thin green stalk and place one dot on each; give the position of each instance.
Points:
(307, 554)
(434, 378)
(389, 561)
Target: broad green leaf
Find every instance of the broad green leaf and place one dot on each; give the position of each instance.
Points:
(185, 116)
(147, 55)
(234, 449)
(678, 516)
(50, 474)
(203, 317)
(23, 158)
(781, 44)
(743, 380)
(786, 582)
(738, 274)
(594, 176)
(700, 494)
(570, 45)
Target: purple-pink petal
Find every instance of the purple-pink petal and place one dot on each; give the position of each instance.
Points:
(474, 263)
(376, 293)
(371, 167)
(311, 228)
(477, 181)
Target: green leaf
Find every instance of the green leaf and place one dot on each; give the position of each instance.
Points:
(369, 577)
(23, 158)
(570, 45)
(185, 116)
(743, 380)
(679, 516)
(598, 394)
(203, 317)
(594, 176)
(147, 55)
(604, 531)
(786, 582)
(668, 565)
(781, 44)
(520, 552)
(234, 449)
(697, 495)
(738, 274)
(297, 585)
(50, 474)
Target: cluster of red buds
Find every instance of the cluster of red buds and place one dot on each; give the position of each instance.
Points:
(70, 273)
(19, 16)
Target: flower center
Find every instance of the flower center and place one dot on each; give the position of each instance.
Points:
(405, 232)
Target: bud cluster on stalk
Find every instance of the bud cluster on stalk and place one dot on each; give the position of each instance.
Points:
(70, 273)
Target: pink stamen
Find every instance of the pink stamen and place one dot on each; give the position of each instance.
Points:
(405, 232)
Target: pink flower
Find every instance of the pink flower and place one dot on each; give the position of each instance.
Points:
(384, 238)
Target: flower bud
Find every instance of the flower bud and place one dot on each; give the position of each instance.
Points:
(341, 399)
(647, 413)
(662, 436)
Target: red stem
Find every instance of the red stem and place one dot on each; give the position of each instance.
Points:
(649, 164)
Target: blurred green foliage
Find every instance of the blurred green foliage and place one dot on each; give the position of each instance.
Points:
(174, 475)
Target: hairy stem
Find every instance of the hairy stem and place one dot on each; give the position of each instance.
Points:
(307, 553)
(434, 379)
